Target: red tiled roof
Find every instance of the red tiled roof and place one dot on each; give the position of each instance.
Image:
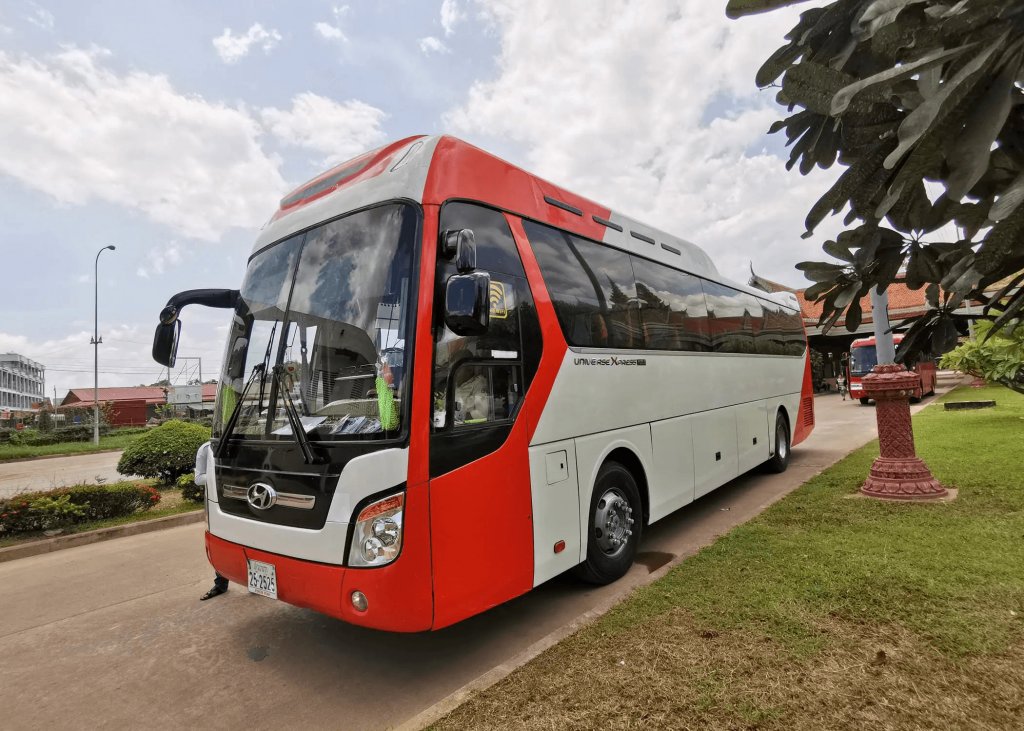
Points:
(903, 302)
(151, 394)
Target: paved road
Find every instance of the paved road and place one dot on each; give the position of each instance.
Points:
(45, 474)
(112, 635)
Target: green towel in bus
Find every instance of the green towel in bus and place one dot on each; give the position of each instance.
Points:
(386, 405)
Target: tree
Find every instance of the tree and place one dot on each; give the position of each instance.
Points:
(997, 357)
(919, 100)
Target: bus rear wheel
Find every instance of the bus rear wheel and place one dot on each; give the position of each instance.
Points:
(864, 401)
(780, 459)
(615, 526)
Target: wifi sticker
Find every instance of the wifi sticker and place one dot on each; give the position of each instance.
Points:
(499, 301)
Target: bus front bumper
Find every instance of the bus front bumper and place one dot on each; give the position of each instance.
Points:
(395, 601)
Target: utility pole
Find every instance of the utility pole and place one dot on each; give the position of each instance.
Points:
(96, 340)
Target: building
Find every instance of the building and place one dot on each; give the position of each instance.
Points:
(132, 405)
(22, 383)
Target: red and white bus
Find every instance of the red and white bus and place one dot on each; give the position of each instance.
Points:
(447, 381)
(863, 358)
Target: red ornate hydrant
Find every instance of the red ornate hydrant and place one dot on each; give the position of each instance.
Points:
(898, 473)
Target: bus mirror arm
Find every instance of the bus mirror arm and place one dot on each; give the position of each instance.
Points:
(165, 339)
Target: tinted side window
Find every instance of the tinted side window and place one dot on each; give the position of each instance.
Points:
(726, 314)
(796, 341)
(751, 323)
(672, 310)
(774, 334)
(591, 286)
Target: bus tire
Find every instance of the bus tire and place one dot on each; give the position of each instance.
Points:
(780, 459)
(864, 400)
(615, 525)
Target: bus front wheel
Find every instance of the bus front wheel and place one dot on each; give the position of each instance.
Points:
(616, 524)
(864, 401)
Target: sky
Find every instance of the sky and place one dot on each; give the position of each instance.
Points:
(172, 129)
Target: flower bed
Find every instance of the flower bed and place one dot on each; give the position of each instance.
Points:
(67, 506)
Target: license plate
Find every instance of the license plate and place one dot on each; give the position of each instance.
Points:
(263, 579)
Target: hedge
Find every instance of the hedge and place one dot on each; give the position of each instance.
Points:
(35, 438)
(190, 490)
(166, 452)
(66, 506)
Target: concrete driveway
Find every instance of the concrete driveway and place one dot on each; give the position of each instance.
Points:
(47, 473)
(113, 635)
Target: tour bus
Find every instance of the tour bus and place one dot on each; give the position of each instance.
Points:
(863, 358)
(447, 381)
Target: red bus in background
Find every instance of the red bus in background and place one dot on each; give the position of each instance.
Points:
(864, 357)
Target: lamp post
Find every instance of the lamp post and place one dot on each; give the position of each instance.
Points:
(96, 340)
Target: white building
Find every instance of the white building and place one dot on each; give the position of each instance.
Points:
(22, 382)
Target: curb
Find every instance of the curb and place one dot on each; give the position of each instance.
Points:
(449, 703)
(59, 543)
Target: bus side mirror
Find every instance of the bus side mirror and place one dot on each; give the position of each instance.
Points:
(467, 308)
(165, 343)
(461, 244)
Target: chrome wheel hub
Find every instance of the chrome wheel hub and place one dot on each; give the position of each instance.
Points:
(613, 522)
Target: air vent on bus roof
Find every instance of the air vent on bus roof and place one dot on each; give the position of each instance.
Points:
(564, 206)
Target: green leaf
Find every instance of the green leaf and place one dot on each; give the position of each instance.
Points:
(844, 96)
(815, 291)
(969, 158)
(854, 316)
(921, 119)
(739, 8)
(1008, 200)
(837, 250)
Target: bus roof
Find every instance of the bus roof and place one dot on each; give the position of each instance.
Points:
(864, 342)
(433, 169)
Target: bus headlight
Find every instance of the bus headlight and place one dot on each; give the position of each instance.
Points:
(377, 537)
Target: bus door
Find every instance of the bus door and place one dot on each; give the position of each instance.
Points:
(480, 501)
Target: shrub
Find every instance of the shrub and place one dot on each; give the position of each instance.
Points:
(72, 505)
(125, 431)
(190, 490)
(165, 452)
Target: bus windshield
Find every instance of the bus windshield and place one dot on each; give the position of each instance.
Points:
(327, 313)
(862, 359)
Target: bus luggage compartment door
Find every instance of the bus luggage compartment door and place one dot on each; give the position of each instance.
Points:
(556, 509)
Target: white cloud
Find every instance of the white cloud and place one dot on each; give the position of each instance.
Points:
(430, 45)
(124, 354)
(655, 114)
(232, 48)
(333, 32)
(40, 17)
(77, 131)
(338, 131)
(451, 15)
(159, 258)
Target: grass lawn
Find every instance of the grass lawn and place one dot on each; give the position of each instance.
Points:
(170, 503)
(113, 441)
(824, 612)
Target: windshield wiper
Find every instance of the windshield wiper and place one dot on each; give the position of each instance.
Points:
(293, 418)
(257, 370)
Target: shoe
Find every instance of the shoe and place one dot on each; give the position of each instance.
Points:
(215, 591)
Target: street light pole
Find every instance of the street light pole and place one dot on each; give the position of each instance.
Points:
(96, 340)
